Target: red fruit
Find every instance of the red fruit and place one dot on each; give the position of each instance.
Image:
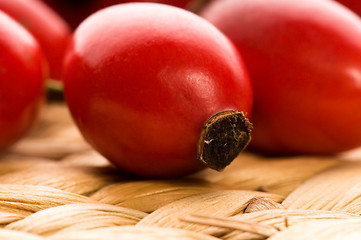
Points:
(76, 11)
(176, 3)
(22, 75)
(48, 28)
(141, 79)
(304, 59)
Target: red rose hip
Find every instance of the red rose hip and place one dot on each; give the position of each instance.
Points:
(49, 29)
(304, 59)
(141, 79)
(23, 71)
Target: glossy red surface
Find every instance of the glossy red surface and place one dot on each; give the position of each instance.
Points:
(304, 59)
(22, 74)
(141, 80)
(74, 12)
(46, 25)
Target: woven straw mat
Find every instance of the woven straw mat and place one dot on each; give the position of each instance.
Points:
(54, 186)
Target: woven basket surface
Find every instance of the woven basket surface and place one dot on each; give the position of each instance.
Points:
(54, 186)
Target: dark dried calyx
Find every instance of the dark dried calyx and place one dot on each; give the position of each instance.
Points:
(223, 137)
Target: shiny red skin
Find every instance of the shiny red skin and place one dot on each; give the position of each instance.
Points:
(176, 3)
(141, 79)
(75, 11)
(22, 76)
(304, 60)
(50, 30)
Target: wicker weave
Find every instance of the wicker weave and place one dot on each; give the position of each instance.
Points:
(54, 186)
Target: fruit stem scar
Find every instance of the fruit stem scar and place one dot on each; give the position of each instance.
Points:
(223, 137)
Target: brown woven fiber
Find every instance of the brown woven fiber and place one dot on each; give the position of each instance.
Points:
(54, 186)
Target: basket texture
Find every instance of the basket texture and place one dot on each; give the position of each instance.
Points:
(54, 186)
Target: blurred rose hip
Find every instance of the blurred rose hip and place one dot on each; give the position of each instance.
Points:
(22, 77)
(304, 59)
(50, 30)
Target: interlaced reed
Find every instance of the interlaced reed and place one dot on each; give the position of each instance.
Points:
(54, 186)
